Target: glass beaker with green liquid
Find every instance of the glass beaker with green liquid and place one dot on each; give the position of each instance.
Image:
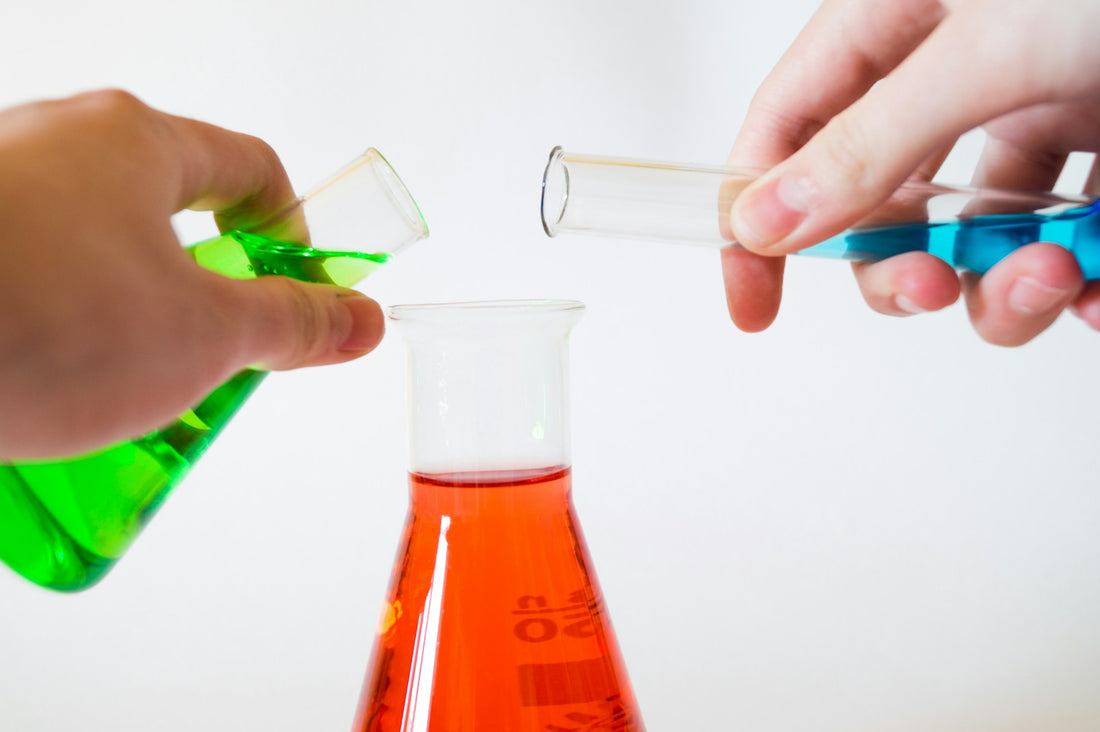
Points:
(64, 523)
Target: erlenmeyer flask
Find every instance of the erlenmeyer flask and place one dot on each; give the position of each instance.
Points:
(64, 523)
(494, 619)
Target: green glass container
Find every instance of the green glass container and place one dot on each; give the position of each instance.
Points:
(64, 523)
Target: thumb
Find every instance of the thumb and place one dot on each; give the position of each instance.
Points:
(281, 323)
(965, 73)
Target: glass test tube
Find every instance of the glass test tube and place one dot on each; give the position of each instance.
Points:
(969, 228)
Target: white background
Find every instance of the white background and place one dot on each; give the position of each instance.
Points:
(849, 522)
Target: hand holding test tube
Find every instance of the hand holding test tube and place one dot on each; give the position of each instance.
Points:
(969, 228)
(873, 94)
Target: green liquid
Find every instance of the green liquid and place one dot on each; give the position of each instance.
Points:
(64, 523)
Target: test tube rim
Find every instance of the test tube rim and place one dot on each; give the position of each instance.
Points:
(555, 157)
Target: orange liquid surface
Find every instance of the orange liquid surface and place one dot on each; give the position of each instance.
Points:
(494, 618)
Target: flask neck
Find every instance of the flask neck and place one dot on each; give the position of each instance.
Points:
(487, 384)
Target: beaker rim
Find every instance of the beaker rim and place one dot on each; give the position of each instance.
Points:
(396, 312)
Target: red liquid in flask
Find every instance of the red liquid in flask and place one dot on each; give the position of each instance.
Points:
(494, 619)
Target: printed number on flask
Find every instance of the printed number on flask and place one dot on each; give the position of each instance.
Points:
(580, 610)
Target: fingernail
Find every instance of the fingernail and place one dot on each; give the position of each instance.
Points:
(367, 323)
(906, 305)
(769, 213)
(1028, 296)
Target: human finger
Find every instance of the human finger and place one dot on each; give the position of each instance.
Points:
(1087, 304)
(913, 282)
(238, 176)
(845, 48)
(908, 284)
(753, 284)
(1023, 294)
(794, 102)
(279, 323)
(1015, 166)
(179, 162)
(917, 282)
(754, 288)
(865, 152)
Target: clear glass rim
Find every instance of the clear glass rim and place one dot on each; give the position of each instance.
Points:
(399, 193)
(553, 214)
(545, 305)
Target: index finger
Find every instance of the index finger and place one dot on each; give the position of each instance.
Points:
(846, 47)
(238, 176)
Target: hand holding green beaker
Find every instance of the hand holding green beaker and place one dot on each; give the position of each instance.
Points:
(107, 329)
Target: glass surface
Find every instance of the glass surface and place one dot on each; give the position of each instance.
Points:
(969, 228)
(64, 523)
(494, 618)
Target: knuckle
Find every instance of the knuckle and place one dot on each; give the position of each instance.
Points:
(110, 98)
(309, 327)
(793, 129)
(119, 116)
(845, 147)
(113, 105)
(265, 151)
(261, 156)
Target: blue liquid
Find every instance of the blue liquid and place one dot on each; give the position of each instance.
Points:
(974, 243)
